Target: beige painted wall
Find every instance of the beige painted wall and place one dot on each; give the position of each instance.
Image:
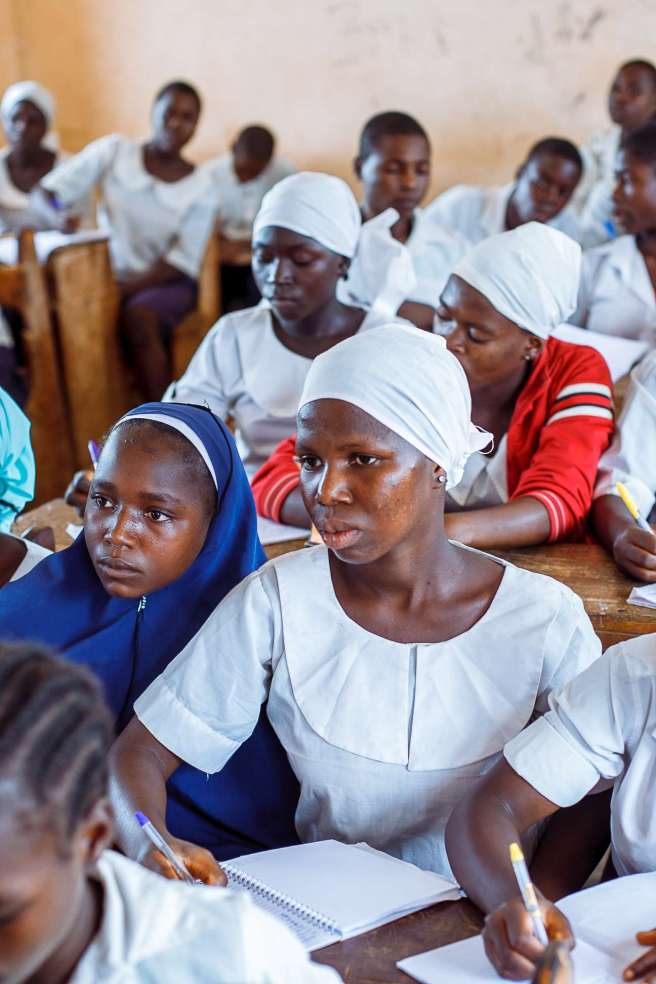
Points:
(486, 77)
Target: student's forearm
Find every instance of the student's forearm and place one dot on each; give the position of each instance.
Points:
(140, 768)
(523, 522)
(610, 518)
(293, 510)
(160, 273)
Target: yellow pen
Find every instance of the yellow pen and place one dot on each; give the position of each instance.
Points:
(627, 499)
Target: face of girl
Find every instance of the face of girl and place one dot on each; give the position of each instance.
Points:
(395, 174)
(544, 186)
(632, 97)
(26, 126)
(489, 347)
(43, 890)
(175, 118)
(146, 520)
(634, 197)
(296, 274)
(366, 489)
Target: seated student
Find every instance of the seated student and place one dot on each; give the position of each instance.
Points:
(252, 365)
(74, 911)
(241, 180)
(393, 164)
(618, 279)
(547, 403)
(169, 529)
(397, 663)
(17, 469)
(631, 104)
(541, 192)
(630, 459)
(599, 730)
(158, 210)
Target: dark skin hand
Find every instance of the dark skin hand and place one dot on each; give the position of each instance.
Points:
(632, 98)
(633, 549)
(299, 277)
(497, 357)
(77, 493)
(543, 187)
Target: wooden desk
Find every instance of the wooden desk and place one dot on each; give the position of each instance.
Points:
(372, 957)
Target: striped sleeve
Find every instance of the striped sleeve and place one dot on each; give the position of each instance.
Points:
(582, 400)
(275, 480)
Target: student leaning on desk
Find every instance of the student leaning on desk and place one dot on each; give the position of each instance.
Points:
(396, 663)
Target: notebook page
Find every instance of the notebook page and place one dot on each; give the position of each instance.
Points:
(312, 937)
(270, 532)
(353, 888)
(466, 963)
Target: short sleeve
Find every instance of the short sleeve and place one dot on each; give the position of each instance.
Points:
(625, 460)
(207, 701)
(571, 647)
(74, 179)
(188, 251)
(582, 737)
(208, 376)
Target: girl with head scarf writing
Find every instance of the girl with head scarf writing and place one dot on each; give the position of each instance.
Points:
(169, 529)
(253, 363)
(396, 663)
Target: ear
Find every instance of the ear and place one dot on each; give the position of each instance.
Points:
(96, 832)
(357, 167)
(344, 267)
(533, 347)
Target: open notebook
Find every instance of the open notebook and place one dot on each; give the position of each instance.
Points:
(605, 920)
(327, 891)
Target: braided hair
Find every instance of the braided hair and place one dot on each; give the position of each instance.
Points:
(55, 735)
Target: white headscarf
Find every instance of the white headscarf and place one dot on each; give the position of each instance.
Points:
(34, 93)
(530, 275)
(320, 206)
(411, 383)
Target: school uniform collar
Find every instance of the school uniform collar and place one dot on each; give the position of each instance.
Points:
(626, 259)
(179, 195)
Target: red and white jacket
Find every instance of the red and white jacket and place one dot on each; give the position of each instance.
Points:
(561, 425)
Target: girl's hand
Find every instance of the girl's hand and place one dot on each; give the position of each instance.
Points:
(644, 969)
(510, 943)
(199, 862)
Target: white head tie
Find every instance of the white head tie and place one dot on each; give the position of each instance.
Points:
(530, 275)
(34, 93)
(319, 206)
(406, 379)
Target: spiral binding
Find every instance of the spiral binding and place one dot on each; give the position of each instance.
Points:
(259, 888)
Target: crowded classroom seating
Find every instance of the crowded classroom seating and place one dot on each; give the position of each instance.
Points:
(252, 352)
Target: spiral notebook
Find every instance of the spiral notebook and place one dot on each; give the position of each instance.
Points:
(328, 891)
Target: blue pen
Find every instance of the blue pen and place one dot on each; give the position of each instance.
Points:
(156, 838)
(94, 452)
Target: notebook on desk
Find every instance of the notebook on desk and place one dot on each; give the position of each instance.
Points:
(605, 920)
(328, 891)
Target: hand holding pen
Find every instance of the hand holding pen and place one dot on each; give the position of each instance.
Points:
(179, 860)
(634, 547)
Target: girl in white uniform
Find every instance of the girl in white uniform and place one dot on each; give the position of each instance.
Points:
(73, 910)
(630, 459)
(618, 279)
(397, 663)
(158, 209)
(252, 365)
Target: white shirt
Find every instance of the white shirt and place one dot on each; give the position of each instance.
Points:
(477, 213)
(616, 296)
(484, 482)
(594, 196)
(242, 370)
(21, 209)
(165, 932)
(602, 726)
(631, 457)
(239, 202)
(147, 219)
(385, 272)
(34, 553)
(385, 737)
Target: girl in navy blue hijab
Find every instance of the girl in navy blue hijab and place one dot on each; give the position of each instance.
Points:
(169, 529)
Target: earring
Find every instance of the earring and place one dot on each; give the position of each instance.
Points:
(528, 358)
(441, 479)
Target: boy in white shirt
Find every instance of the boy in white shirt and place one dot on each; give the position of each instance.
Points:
(74, 912)
(241, 178)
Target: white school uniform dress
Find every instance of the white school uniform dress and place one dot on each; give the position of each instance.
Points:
(593, 199)
(602, 726)
(21, 209)
(239, 202)
(384, 737)
(484, 482)
(616, 296)
(631, 457)
(146, 219)
(476, 213)
(34, 553)
(242, 370)
(165, 932)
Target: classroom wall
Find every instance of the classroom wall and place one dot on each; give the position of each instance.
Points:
(486, 77)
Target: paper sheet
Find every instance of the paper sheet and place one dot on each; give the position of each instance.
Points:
(270, 532)
(621, 354)
(643, 595)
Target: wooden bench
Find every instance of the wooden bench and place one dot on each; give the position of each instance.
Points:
(188, 335)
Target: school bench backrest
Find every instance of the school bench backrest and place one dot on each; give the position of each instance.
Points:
(188, 335)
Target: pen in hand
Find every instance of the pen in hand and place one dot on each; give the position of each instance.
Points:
(158, 841)
(528, 893)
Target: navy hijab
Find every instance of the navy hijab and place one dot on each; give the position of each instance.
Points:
(250, 804)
